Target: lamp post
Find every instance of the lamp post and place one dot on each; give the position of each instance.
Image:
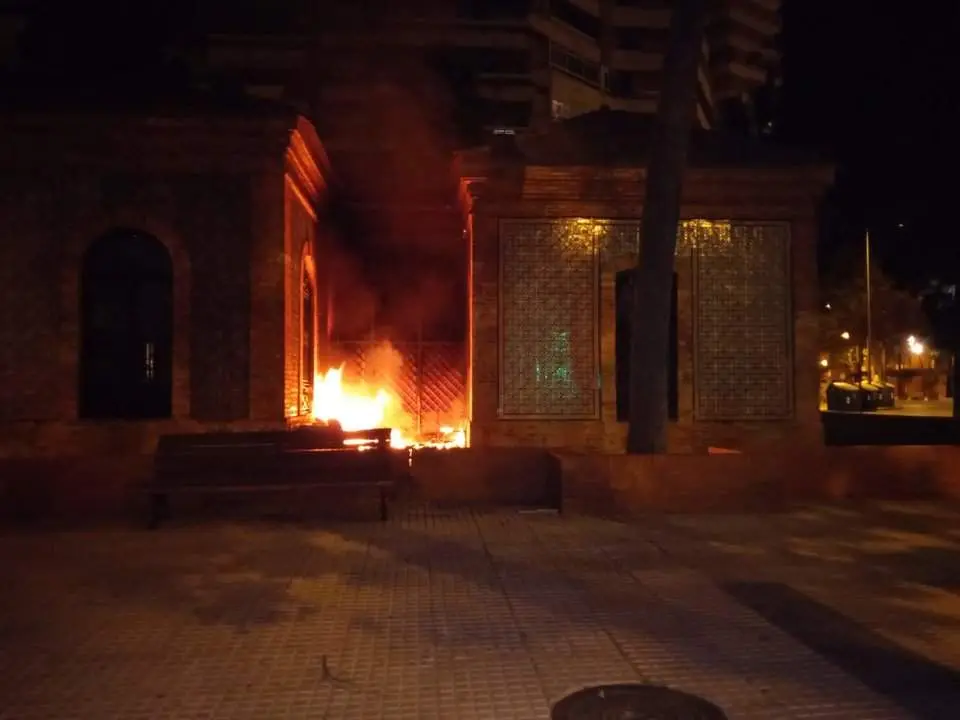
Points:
(869, 312)
(916, 348)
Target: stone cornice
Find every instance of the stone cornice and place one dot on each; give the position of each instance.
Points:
(200, 143)
(726, 187)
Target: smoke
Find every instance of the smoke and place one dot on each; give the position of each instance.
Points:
(353, 302)
(393, 199)
(383, 366)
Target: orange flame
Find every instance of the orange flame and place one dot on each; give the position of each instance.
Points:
(358, 406)
(355, 408)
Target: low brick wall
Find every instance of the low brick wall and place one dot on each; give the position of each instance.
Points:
(618, 485)
(91, 438)
(90, 487)
(486, 477)
(68, 488)
(96, 471)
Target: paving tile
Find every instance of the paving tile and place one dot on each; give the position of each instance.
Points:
(436, 614)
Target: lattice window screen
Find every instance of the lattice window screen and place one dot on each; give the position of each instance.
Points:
(618, 239)
(548, 314)
(744, 365)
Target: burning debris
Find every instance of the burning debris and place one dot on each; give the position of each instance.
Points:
(357, 405)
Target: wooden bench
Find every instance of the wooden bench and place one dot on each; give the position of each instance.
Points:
(249, 462)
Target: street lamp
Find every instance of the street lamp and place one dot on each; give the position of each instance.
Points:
(845, 335)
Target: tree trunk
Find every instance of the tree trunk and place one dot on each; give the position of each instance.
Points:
(955, 382)
(653, 278)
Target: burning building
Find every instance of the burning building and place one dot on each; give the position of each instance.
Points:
(164, 273)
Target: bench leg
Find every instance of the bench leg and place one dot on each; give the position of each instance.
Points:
(159, 510)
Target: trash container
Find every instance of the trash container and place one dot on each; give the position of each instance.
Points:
(844, 397)
(871, 395)
(888, 395)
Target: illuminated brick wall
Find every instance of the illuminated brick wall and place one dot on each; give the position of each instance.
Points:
(544, 313)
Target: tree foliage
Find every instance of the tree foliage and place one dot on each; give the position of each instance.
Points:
(896, 312)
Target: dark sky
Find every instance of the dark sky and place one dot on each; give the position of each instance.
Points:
(874, 84)
(871, 83)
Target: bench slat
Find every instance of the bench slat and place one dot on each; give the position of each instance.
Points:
(307, 458)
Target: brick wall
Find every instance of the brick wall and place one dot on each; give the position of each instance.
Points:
(514, 192)
(759, 481)
(211, 190)
(628, 485)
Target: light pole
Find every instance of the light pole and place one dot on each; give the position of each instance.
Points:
(869, 312)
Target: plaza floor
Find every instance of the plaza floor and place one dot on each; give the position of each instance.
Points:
(824, 613)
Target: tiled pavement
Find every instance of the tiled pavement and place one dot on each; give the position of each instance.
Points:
(433, 615)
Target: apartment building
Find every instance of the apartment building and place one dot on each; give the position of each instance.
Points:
(503, 64)
(506, 64)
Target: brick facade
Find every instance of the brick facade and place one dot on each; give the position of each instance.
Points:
(504, 189)
(232, 196)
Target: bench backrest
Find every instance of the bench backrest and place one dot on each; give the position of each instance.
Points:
(216, 443)
(266, 458)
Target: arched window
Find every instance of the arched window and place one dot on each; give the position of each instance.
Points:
(126, 328)
(308, 344)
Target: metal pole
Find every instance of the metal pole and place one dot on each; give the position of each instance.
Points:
(869, 315)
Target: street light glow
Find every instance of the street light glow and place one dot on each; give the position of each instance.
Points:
(914, 345)
(824, 362)
(845, 335)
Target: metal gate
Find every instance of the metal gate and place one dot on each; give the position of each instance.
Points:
(429, 377)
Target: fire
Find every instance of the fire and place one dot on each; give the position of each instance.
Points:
(355, 408)
(358, 406)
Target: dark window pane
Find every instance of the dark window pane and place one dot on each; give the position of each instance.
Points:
(504, 61)
(576, 17)
(650, 40)
(572, 63)
(126, 332)
(493, 9)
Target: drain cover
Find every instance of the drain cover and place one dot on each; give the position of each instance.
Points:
(634, 702)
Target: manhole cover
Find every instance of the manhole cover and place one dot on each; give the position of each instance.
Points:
(634, 702)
